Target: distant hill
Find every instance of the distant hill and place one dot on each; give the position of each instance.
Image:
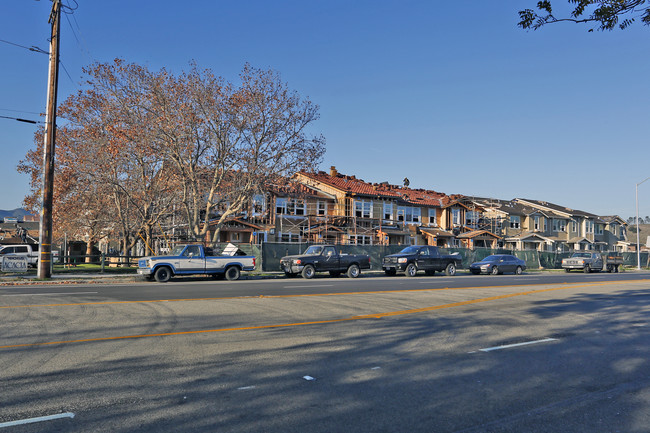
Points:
(13, 213)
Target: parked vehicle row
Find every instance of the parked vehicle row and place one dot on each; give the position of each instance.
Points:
(196, 259)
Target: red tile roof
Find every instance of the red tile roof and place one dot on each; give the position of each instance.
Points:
(354, 186)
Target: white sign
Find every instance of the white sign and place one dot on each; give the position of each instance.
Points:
(14, 264)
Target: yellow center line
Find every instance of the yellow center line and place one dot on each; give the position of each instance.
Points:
(306, 295)
(319, 322)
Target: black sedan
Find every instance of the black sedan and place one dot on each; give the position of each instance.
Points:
(498, 264)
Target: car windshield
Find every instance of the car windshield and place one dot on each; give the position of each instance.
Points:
(409, 250)
(492, 258)
(586, 255)
(177, 250)
(315, 250)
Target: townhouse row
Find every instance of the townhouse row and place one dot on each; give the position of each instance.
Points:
(331, 207)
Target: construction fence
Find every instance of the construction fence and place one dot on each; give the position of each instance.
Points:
(271, 253)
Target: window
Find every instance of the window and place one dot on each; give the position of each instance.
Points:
(455, 216)
(574, 226)
(589, 226)
(515, 221)
(321, 208)
(471, 218)
(192, 250)
(363, 208)
(536, 223)
(280, 206)
(401, 212)
(259, 205)
(417, 214)
(295, 207)
(291, 206)
(409, 214)
(545, 224)
(432, 217)
(289, 237)
(559, 225)
(388, 211)
(599, 229)
(360, 240)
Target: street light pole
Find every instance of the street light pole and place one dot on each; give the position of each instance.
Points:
(638, 247)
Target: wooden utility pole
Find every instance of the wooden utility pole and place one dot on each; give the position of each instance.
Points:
(45, 236)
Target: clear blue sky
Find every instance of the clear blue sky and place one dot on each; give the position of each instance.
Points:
(451, 94)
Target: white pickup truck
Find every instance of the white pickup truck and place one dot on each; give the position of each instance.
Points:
(195, 260)
(30, 251)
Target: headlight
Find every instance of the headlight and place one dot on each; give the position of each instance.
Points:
(485, 266)
(401, 260)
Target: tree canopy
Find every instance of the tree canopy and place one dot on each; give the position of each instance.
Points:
(604, 14)
(137, 145)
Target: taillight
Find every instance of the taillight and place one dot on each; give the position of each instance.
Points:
(253, 261)
(298, 262)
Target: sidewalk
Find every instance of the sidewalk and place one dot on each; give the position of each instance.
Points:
(65, 278)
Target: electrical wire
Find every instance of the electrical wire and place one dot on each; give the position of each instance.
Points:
(22, 120)
(32, 48)
(21, 111)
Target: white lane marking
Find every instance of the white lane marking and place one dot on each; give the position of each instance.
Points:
(507, 346)
(54, 293)
(37, 419)
(243, 388)
(316, 285)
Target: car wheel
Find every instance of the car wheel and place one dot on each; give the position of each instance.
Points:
(495, 270)
(354, 271)
(450, 270)
(308, 272)
(162, 274)
(232, 273)
(390, 272)
(411, 270)
(518, 271)
(587, 269)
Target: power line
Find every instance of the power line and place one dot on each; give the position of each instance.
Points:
(32, 48)
(22, 111)
(22, 120)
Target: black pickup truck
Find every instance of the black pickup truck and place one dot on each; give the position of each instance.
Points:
(421, 258)
(324, 258)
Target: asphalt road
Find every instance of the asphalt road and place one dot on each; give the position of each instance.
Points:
(534, 353)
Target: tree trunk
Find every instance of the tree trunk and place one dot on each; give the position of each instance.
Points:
(89, 251)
